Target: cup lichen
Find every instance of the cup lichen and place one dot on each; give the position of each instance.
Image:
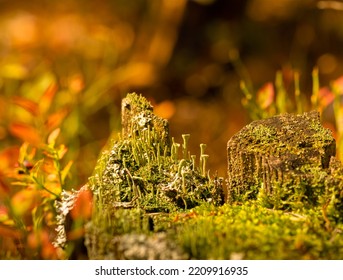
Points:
(144, 170)
(154, 200)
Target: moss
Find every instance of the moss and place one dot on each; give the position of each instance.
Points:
(153, 200)
(282, 161)
(144, 170)
(250, 231)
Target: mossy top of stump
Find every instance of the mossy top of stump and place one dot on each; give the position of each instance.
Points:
(279, 151)
(300, 135)
(137, 115)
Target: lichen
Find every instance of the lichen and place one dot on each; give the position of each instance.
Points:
(145, 170)
(154, 200)
(283, 162)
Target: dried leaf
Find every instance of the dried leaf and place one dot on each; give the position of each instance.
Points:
(28, 105)
(26, 133)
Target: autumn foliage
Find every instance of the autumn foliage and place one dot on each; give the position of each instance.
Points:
(65, 67)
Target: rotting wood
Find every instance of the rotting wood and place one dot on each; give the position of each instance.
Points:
(283, 160)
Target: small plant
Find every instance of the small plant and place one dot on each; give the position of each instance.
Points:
(28, 213)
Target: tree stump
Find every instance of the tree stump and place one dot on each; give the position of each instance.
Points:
(139, 179)
(280, 160)
(137, 115)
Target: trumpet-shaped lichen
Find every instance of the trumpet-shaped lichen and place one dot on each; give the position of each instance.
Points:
(154, 200)
(145, 170)
(284, 162)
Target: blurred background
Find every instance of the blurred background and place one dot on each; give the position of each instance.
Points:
(68, 64)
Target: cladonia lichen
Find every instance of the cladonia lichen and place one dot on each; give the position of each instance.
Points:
(146, 171)
(285, 162)
(152, 199)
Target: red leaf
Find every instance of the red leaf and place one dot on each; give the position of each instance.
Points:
(6, 231)
(325, 97)
(4, 186)
(46, 100)
(54, 120)
(8, 162)
(165, 109)
(265, 96)
(76, 233)
(28, 105)
(83, 205)
(8, 158)
(26, 133)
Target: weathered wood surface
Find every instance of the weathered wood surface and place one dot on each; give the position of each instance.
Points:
(276, 153)
(137, 115)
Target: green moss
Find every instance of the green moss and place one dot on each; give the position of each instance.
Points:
(283, 162)
(249, 231)
(144, 171)
(149, 192)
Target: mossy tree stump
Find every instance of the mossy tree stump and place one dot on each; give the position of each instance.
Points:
(282, 160)
(137, 115)
(142, 177)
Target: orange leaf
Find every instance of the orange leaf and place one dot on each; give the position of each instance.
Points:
(28, 105)
(165, 109)
(24, 201)
(51, 189)
(6, 231)
(265, 96)
(26, 133)
(8, 158)
(83, 205)
(55, 119)
(46, 100)
(76, 234)
(49, 252)
(338, 83)
(326, 97)
(4, 186)
(4, 218)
